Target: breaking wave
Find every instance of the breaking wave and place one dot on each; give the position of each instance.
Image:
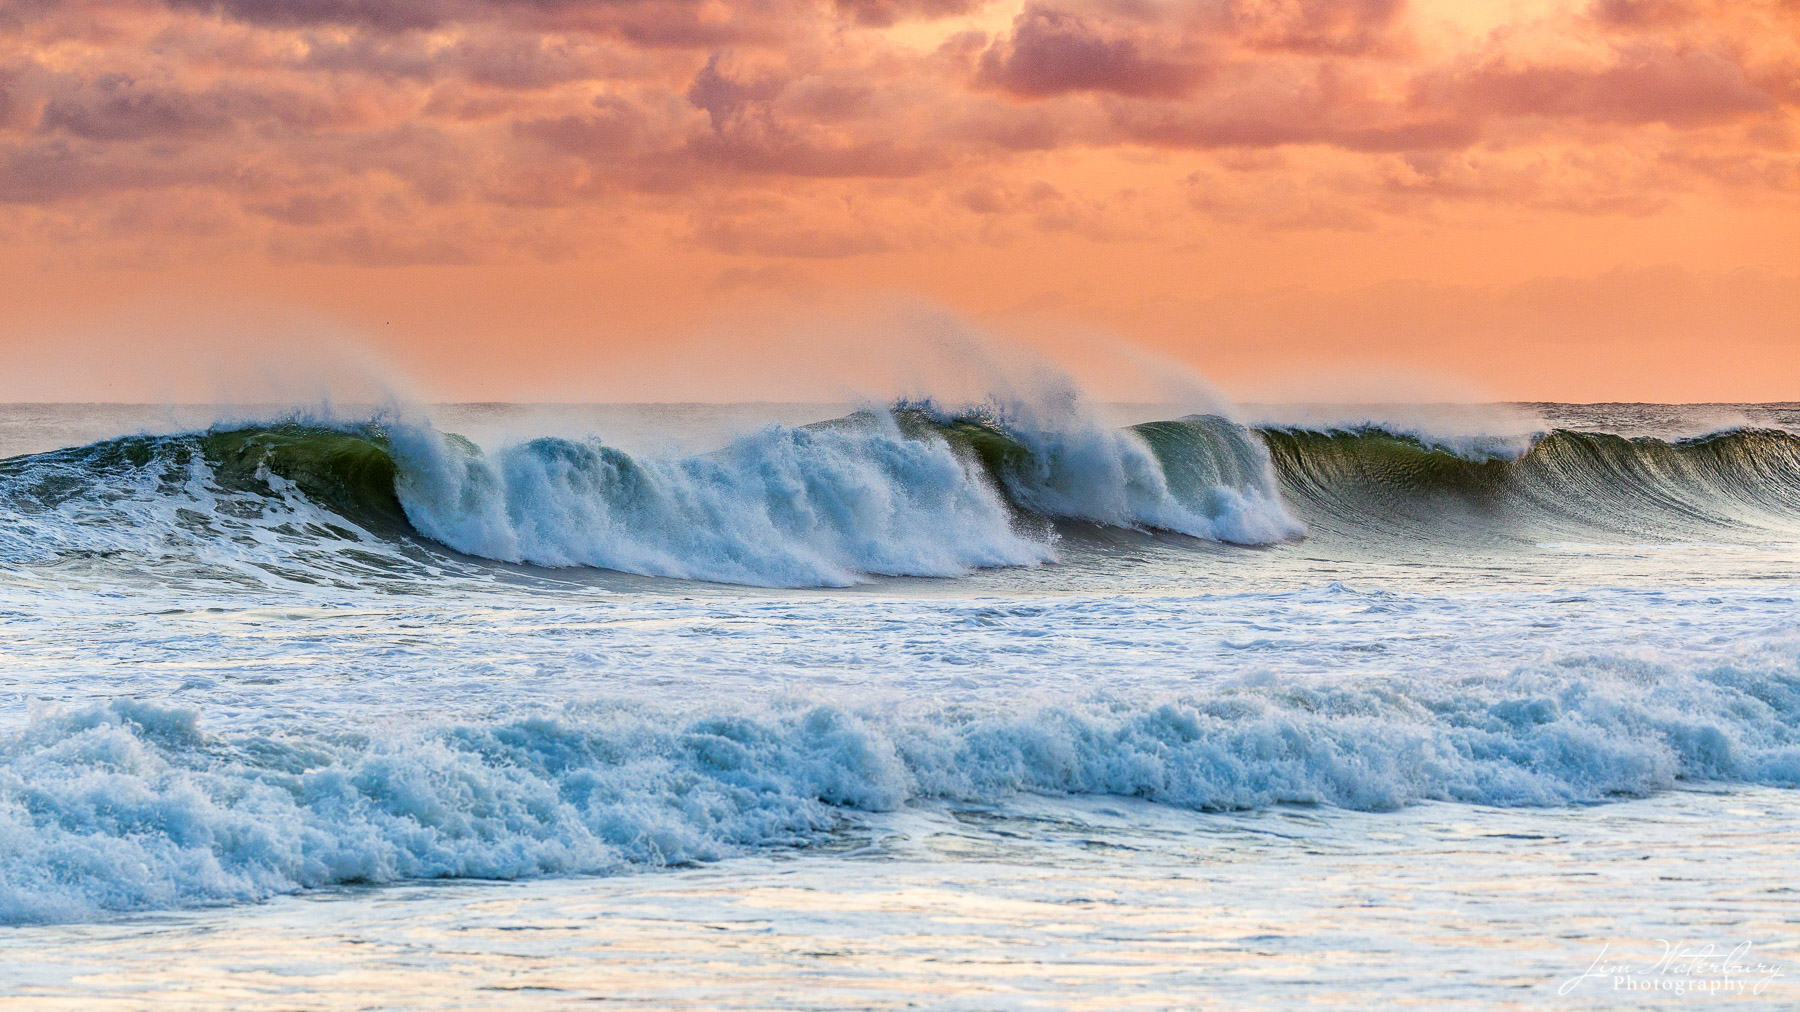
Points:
(130, 805)
(912, 491)
(907, 492)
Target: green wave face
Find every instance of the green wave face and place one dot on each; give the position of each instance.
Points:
(1568, 483)
(303, 503)
(1329, 460)
(1203, 475)
(1201, 454)
(351, 473)
(1198, 456)
(1004, 459)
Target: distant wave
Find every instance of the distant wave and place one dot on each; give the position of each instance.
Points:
(1370, 480)
(917, 491)
(128, 805)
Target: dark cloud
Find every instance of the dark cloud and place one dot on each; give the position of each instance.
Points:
(510, 60)
(384, 15)
(1051, 52)
(764, 146)
(751, 133)
(652, 23)
(18, 105)
(61, 170)
(613, 130)
(45, 173)
(307, 209)
(115, 107)
(1175, 126)
(1642, 14)
(727, 98)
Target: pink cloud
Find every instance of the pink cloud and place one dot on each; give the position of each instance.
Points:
(1052, 51)
(1680, 85)
(512, 124)
(1340, 27)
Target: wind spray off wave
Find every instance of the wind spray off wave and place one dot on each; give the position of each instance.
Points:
(917, 490)
(785, 506)
(911, 492)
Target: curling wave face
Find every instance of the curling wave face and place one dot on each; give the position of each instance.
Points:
(1565, 484)
(785, 506)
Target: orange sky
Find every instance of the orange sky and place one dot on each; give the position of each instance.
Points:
(604, 199)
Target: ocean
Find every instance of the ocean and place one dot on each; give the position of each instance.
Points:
(1020, 704)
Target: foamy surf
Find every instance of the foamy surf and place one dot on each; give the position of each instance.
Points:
(240, 669)
(133, 805)
(783, 507)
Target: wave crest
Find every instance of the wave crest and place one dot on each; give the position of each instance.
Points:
(785, 506)
(918, 491)
(909, 492)
(1203, 476)
(1565, 483)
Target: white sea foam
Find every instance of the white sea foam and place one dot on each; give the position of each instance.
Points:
(1112, 477)
(1079, 467)
(129, 805)
(154, 505)
(817, 505)
(782, 507)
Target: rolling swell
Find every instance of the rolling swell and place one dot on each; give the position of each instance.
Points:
(814, 506)
(910, 492)
(1565, 484)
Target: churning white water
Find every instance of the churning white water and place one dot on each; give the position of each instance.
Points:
(968, 709)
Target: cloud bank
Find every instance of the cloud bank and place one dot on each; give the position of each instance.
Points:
(471, 131)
